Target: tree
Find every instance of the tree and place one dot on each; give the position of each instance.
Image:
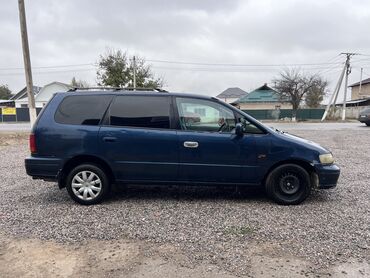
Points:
(316, 94)
(78, 83)
(294, 86)
(5, 92)
(115, 68)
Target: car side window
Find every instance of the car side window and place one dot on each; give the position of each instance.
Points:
(140, 111)
(203, 115)
(82, 110)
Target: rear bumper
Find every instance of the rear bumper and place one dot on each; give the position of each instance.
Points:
(328, 175)
(43, 168)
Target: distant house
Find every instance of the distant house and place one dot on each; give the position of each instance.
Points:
(44, 94)
(6, 103)
(365, 89)
(263, 97)
(23, 93)
(231, 94)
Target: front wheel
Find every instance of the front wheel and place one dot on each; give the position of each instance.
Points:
(87, 184)
(288, 184)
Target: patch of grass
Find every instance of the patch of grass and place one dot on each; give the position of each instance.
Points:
(235, 230)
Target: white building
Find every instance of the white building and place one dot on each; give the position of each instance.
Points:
(43, 96)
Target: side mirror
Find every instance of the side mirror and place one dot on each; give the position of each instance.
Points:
(239, 129)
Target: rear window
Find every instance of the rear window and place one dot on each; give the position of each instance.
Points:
(82, 110)
(140, 111)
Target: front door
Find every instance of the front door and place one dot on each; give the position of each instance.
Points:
(209, 150)
(137, 140)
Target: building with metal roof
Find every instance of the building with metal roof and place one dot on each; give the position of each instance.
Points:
(263, 97)
(357, 102)
(364, 92)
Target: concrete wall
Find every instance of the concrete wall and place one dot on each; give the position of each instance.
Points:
(365, 91)
(351, 112)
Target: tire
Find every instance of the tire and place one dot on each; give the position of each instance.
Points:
(87, 184)
(368, 124)
(288, 184)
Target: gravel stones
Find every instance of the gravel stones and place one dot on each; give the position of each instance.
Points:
(217, 225)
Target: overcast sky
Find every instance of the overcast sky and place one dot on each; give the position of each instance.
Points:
(250, 33)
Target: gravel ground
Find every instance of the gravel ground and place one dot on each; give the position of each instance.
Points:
(221, 227)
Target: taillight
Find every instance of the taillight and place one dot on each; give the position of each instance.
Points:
(32, 143)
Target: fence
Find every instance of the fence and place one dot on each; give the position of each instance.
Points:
(352, 112)
(275, 114)
(19, 115)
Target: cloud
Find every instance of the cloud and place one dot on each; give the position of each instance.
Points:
(238, 32)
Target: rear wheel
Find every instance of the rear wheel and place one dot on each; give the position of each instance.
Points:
(368, 124)
(87, 184)
(288, 184)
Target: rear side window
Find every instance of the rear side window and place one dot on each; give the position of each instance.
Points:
(140, 111)
(82, 110)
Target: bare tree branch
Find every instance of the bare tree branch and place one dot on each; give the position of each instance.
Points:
(294, 87)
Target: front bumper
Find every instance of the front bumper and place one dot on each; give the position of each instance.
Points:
(327, 175)
(364, 119)
(43, 167)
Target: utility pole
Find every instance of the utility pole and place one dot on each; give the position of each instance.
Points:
(334, 96)
(27, 62)
(339, 85)
(134, 68)
(359, 90)
(348, 71)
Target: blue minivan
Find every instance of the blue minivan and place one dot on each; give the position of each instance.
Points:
(89, 140)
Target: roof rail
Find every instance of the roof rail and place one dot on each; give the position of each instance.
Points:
(104, 88)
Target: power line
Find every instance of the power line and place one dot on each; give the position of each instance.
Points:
(182, 63)
(360, 60)
(238, 65)
(49, 67)
(335, 67)
(44, 72)
(313, 66)
(190, 69)
(323, 67)
(233, 69)
(359, 69)
(329, 62)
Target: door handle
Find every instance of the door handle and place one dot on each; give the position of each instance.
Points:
(109, 139)
(191, 144)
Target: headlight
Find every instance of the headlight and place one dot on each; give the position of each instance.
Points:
(326, 158)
